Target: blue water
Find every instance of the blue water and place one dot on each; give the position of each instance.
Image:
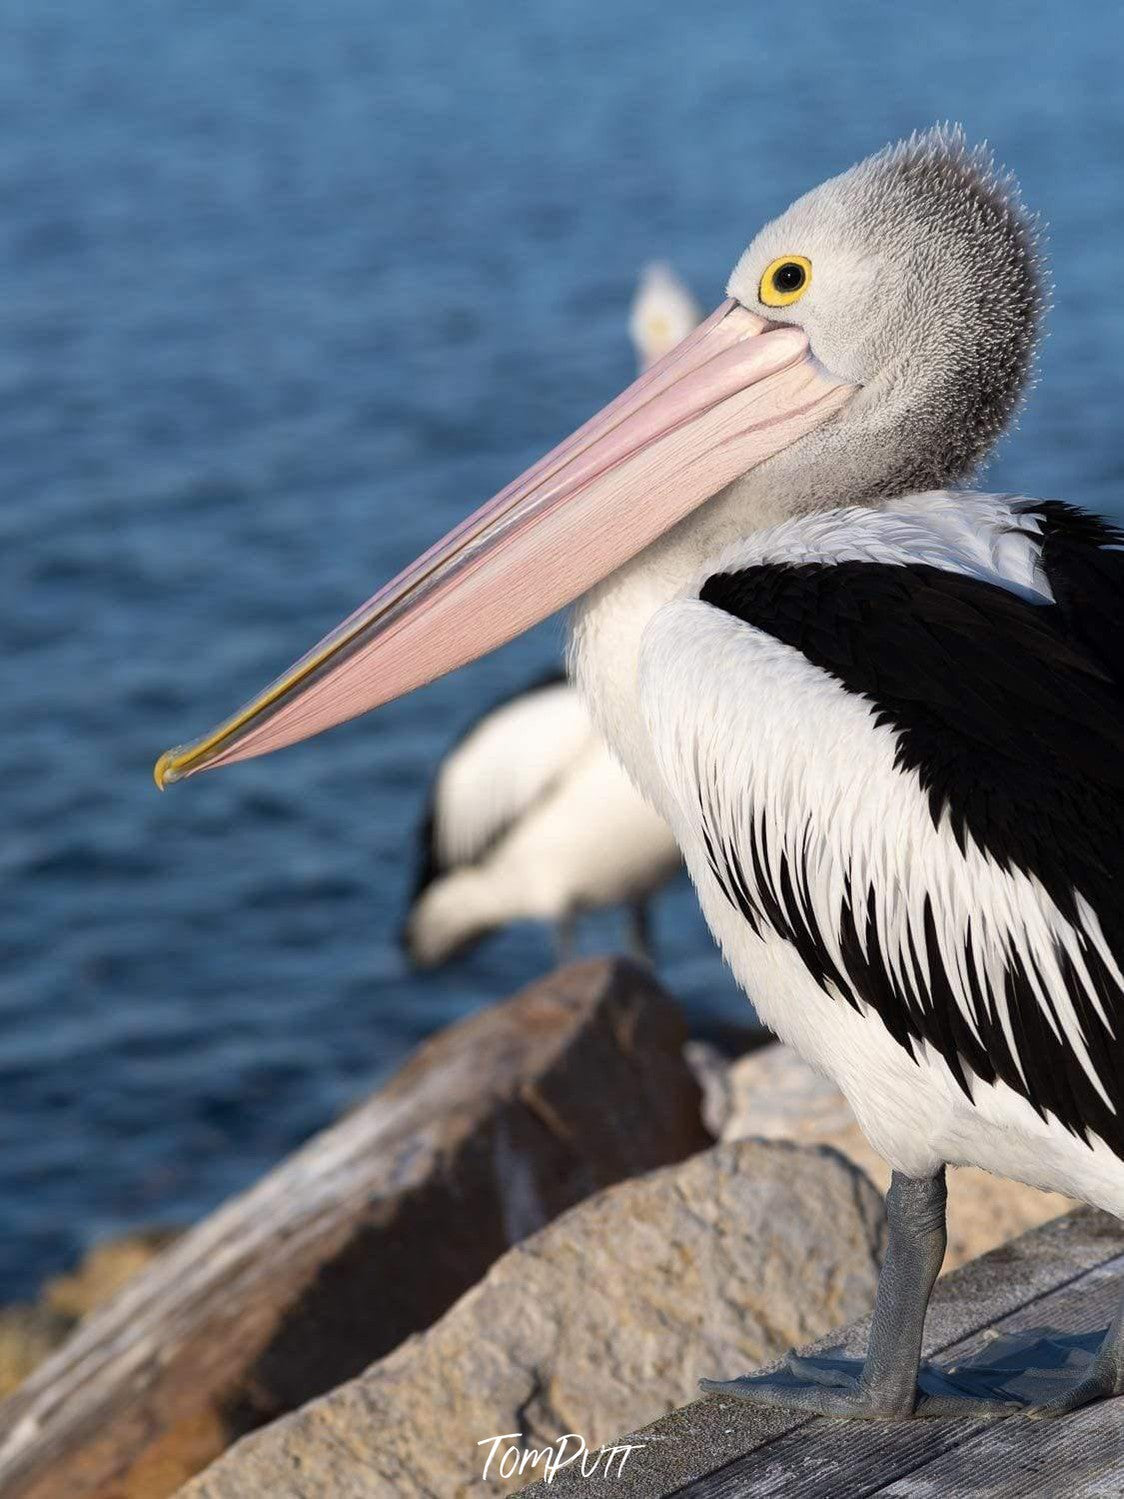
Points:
(285, 289)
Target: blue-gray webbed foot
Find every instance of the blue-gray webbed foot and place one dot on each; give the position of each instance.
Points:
(890, 1383)
(826, 1386)
(820, 1386)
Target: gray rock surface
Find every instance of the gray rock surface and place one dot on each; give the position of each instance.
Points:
(361, 1238)
(772, 1094)
(603, 1320)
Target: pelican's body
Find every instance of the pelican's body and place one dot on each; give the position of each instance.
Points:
(530, 816)
(918, 945)
(886, 722)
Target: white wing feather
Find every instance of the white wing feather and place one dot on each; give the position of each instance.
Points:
(504, 765)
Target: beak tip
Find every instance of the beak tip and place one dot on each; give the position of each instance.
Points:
(162, 772)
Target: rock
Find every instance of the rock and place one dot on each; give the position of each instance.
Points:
(364, 1236)
(772, 1094)
(29, 1333)
(603, 1320)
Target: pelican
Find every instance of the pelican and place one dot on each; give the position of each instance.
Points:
(663, 312)
(882, 715)
(530, 817)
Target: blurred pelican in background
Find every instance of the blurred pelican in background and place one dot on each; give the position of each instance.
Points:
(663, 313)
(529, 816)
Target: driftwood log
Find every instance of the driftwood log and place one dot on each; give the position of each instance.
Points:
(364, 1236)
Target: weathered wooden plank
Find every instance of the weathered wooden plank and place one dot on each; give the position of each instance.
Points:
(1081, 1457)
(718, 1448)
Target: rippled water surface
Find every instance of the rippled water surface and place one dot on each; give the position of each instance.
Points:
(286, 288)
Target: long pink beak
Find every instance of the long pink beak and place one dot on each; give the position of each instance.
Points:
(733, 393)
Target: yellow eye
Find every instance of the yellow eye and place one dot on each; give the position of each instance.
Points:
(785, 281)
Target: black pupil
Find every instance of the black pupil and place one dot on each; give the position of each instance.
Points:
(788, 277)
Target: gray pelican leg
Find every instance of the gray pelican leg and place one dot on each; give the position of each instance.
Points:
(564, 938)
(884, 1386)
(639, 932)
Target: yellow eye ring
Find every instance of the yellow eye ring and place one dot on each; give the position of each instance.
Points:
(785, 281)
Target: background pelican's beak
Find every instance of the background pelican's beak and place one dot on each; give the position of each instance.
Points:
(733, 393)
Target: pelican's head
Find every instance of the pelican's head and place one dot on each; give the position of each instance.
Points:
(916, 277)
(898, 302)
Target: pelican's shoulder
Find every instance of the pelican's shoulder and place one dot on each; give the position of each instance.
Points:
(973, 620)
(1043, 552)
(995, 538)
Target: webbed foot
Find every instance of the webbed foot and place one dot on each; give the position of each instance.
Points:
(826, 1386)
(821, 1386)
